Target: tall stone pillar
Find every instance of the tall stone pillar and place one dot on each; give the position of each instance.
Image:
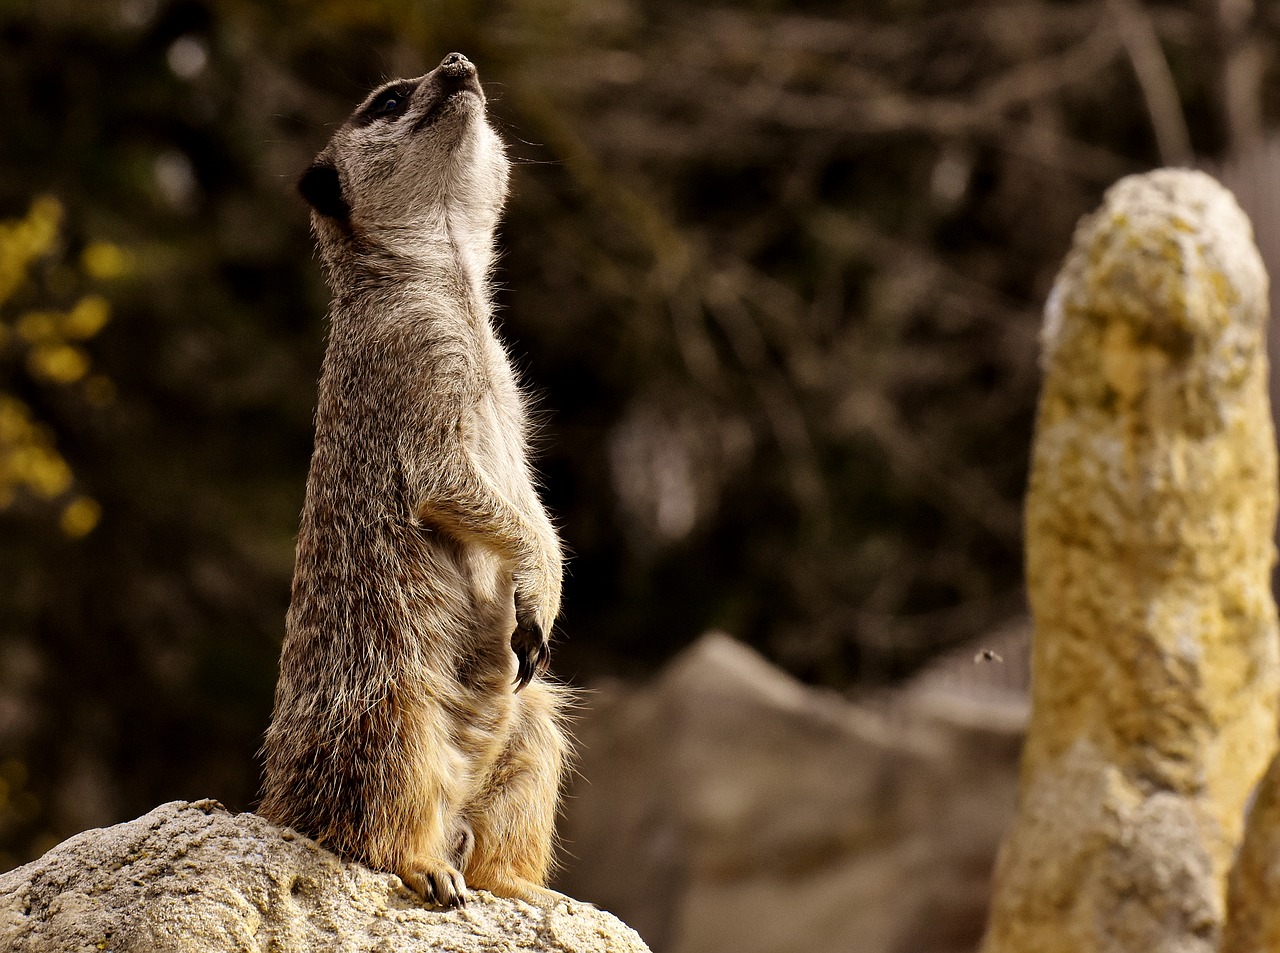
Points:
(1149, 550)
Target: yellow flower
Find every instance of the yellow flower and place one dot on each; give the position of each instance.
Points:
(58, 363)
(87, 318)
(29, 460)
(23, 241)
(14, 419)
(80, 516)
(37, 327)
(104, 261)
(39, 467)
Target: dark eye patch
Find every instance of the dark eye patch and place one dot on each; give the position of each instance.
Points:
(389, 104)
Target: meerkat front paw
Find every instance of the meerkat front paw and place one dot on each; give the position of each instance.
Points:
(537, 599)
(532, 648)
(438, 883)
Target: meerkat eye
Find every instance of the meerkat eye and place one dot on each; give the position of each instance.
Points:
(389, 105)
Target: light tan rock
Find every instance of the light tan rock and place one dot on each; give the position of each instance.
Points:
(194, 877)
(1149, 551)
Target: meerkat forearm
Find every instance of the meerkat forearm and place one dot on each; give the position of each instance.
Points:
(457, 496)
(464, 502)
(467, 506)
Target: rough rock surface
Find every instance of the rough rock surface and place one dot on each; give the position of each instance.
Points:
(194, 877)
(1149, 551)
(727, 808)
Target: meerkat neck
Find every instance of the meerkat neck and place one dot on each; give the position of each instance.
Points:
(452, 257)
(472, 252)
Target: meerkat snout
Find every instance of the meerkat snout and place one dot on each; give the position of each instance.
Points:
(457, 65)
(456, 76)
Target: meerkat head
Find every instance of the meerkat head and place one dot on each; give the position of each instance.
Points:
(417, 159)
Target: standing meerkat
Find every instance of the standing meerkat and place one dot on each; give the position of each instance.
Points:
(412, 729)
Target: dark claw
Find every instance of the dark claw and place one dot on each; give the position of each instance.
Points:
(441, 887)
(533, 653)
(447, 893)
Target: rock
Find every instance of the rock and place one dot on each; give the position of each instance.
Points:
(194, 877)
(1149, 522)
(725, 806)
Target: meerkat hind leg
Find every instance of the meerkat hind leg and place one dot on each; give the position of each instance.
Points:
(434, 849)
(513, 819)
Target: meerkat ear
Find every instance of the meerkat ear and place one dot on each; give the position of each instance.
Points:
(322, 189)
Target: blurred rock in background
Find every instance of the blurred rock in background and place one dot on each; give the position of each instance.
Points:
(724, 806)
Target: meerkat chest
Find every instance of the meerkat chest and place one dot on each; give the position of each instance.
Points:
(496, 425)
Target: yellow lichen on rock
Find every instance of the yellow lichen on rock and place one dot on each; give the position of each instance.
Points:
(1149, 523)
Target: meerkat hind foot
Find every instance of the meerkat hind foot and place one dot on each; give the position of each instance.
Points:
(517, 888)
(437, 883)
(544, 896)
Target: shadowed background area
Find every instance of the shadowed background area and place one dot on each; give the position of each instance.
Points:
(774, 270)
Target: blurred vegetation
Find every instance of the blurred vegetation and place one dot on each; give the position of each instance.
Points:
(775, 270)
(49, 344)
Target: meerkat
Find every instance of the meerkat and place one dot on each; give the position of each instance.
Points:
(413, 728)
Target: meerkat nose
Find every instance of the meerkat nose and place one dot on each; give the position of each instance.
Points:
(457, 63)
(457, 72)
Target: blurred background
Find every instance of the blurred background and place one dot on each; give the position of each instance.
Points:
(775, 272)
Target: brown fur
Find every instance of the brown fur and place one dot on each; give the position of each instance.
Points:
(401, 736)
